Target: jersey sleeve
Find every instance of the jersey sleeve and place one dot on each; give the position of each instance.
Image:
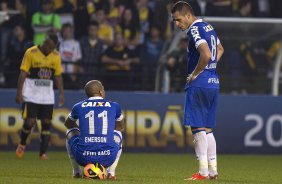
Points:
(57, 22)
(58, 69)
(196, 34)
(26, 62)
(73, 114)
(36, 19)
(119, 115)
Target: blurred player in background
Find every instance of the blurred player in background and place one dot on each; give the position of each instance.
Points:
(35, 90)
(202, 87)
(98, 137)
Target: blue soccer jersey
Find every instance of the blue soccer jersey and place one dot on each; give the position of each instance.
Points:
(97, 118)
(202, 32)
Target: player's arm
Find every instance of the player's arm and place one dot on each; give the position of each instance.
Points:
(59, 81)
(220, 51)
(25, 67)
(205, 56)
(70, 123)
(22, 77)
(60, 86)
(119, 125)
(72, 118)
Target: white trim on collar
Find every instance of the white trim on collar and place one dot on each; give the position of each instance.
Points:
(95, 98)
(198, 20)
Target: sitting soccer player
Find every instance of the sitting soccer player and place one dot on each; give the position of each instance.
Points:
(98, 137)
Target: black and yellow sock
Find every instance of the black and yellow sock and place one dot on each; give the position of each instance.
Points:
(45, 138)
(25, 132)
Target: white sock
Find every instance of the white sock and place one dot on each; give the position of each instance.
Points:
(212, 160)
(111, 170)
(201, 149)
(74, 164)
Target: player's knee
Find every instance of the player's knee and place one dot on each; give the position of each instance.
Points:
(28, 124)
(46, 121)
(45, 128)
(72, 132)
(118, 138)
(208, 130)
(197, 129)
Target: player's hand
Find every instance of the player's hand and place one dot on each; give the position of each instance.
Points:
(19, 98)
(61, 100)
(190, 78)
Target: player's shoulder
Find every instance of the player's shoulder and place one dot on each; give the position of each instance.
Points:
(114, 104)
(32, 50)
(79, 104)
(56, 53)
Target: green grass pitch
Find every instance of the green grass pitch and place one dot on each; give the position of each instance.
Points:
(142, 168)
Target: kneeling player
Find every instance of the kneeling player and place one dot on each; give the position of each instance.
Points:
(98, 137)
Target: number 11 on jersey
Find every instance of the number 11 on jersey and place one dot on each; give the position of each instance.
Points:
(91, 120)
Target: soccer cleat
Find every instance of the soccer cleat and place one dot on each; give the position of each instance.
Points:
(110, 177)
(197, 176)
(43, 157)
(20, 151)
(215, 177)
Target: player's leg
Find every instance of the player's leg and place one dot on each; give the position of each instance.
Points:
(71, 134)
(45, 115)
(195, 116)
(29, 116)
(201, 150)
(111, 170)
(212, 156)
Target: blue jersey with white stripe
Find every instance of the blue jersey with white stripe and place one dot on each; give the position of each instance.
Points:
(202, 32)
(97, 118)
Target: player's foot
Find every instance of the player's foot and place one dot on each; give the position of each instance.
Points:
(77, 175)
(20, 151)
(43, 157)
(215, 177)
(110, 177)
(197, 176)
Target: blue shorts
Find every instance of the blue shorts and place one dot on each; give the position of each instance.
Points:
(200, 107)
(83, 159)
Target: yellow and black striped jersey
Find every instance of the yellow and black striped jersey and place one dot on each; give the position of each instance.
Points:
(41, 69)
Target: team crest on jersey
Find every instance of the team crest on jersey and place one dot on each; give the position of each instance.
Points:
(44, 73)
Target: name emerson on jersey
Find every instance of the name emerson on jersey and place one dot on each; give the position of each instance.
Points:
(95, 139)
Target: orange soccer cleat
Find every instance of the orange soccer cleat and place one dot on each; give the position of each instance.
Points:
(197, 176)
(110, 177)
(20, 151)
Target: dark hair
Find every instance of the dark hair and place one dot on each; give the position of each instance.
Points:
(53, 37)
(67, 25)
(93, 23)
(243, 3)
(182, 7)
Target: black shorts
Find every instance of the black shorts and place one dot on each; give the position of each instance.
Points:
(39, 111)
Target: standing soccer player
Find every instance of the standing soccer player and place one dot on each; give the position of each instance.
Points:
(35, 88)
(98, 137)
(202, 87)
